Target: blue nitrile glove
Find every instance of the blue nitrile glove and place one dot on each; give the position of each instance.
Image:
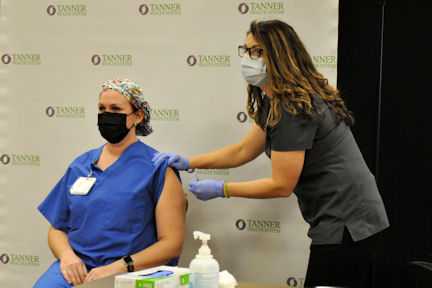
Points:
(206, 189)
(174, 160)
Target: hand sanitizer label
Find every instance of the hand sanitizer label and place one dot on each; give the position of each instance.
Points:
(204, 280)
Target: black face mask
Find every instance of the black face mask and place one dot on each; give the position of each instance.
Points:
(112, 126)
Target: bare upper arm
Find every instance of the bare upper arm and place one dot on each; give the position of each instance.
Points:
(171, 209)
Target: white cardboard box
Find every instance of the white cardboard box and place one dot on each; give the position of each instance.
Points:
(148, 278)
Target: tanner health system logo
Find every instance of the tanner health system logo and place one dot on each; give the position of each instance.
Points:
(65, 112)
(243, 117)
(160, 9)
(20, 159)
(219, 172)
(209, 60)
(67, 10)
(165, 114)
(112, 59)
(19, 259)
(295, 282)
(255, 225)
(324, 61)
(21, 59)
(261, 8)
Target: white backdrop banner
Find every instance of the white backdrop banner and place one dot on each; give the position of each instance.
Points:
(54, 56)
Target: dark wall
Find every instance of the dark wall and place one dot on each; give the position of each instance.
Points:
(393, 123)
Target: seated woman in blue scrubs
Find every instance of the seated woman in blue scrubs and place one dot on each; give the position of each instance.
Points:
(113, 211)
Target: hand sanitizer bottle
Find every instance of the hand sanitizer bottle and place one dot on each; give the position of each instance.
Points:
(204, 269)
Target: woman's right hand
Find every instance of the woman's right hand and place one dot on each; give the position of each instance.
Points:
(73, 268)
(174, 160)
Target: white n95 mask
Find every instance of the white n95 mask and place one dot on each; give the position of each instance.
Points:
(254, 71)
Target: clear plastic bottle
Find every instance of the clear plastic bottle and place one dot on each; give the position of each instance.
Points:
(204, 269)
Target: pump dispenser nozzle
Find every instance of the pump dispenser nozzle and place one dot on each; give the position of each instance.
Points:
(204, 251)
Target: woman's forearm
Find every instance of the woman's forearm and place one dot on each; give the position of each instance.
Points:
(157, 254)
(258, 189)
(286, 170)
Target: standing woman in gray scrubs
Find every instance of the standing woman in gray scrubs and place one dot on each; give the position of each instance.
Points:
(302, 125)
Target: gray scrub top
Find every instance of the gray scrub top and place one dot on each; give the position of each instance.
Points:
(335, 188)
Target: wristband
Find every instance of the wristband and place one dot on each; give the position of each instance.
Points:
(129, 263)
(225, 189)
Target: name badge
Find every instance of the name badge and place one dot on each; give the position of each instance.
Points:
(82, 185)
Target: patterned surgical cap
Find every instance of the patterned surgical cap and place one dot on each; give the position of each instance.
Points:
(134, 95)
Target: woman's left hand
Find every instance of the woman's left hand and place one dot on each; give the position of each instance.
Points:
(105, 271)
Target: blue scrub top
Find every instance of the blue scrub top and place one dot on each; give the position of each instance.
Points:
(117, 216)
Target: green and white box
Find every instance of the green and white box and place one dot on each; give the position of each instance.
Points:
(156, 277)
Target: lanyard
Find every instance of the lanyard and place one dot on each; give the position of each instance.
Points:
(92, 167)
